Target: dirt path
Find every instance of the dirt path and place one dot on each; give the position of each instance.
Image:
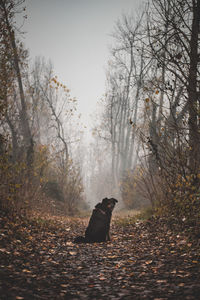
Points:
(143, 261)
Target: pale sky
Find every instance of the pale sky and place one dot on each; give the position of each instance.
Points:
(75, 35)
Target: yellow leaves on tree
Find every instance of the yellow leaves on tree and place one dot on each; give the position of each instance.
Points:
(58, 84)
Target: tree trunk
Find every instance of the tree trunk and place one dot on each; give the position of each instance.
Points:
(194, 135)
(26, 132)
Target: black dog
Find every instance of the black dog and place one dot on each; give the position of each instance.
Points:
(99, 224)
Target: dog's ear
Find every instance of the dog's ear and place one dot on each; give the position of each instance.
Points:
(105, 200)
(98, 205)
(114, 200)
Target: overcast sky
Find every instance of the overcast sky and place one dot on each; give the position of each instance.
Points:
(75, 35)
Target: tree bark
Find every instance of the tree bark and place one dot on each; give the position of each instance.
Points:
(26, 132)
(194, 135)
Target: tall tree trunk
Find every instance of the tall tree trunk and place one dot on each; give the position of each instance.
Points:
(15, 146)
(26, 132)
(126, 128)
(194, 135)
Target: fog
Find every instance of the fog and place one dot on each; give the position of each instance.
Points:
(76, 37)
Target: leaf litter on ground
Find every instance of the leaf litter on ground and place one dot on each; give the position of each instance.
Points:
(144, 260)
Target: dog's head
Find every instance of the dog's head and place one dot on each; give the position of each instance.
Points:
(109, 204)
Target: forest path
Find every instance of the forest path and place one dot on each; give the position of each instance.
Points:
(145, 260)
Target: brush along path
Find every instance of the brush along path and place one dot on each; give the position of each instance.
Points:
(145, 260)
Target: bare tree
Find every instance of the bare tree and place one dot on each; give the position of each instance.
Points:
(125, 78)
(174, 45)
(53, 112)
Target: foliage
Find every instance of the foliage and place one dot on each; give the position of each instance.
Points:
(183, 198)
(132, 189)
(52, 189)
(173, 119)
(151, 115)
(146, 213)
(36, 112)
(68, 181)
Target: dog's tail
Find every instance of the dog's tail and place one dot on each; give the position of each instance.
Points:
(80, 239)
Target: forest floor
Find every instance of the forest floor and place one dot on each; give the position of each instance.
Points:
(145, 260)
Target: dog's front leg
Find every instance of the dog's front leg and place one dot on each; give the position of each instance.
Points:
(108, 237)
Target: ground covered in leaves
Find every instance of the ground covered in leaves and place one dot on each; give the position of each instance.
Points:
(144, 260)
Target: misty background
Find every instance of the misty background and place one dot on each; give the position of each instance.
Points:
(76, 36)
(99, 99)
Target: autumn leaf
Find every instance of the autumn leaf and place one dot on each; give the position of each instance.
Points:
(72, 252)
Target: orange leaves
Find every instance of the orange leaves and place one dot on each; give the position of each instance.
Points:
(3, 250)
(54, 83)
(26, 271)
(147, 100)
(150, 98)
(102, 277)
(148, 262)
(164, 281)
(64, 285)
(72, 252)
(147, 251)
